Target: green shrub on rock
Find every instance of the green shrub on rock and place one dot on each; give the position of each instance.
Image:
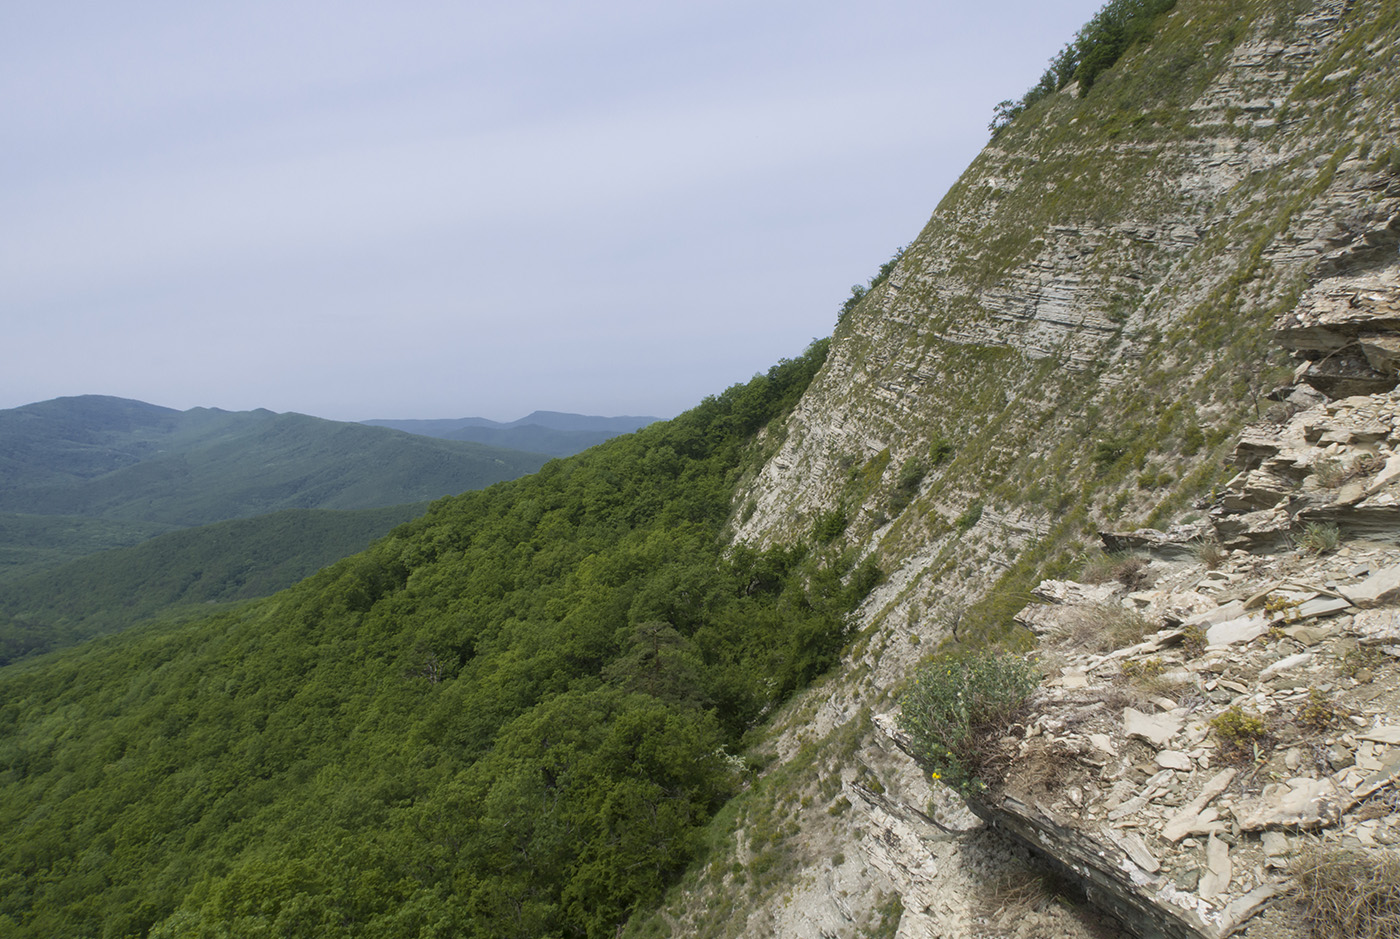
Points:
(957, 708)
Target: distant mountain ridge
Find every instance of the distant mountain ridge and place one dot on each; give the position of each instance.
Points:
(91, 472)
(107, 457)
(556, 433)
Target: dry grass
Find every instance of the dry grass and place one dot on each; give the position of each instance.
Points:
(1332, 473)
(1101, 627)
(1148, 687)
(1210, 552)
(1042, 768)
(1130, 570)
(1350, 894)
(1016, 893)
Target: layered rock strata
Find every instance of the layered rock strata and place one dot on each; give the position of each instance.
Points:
(1256, 716)
(1068, 345)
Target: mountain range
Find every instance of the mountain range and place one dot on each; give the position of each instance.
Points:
(97, 456)
(984, 617)
(552, 432)
(114, 511)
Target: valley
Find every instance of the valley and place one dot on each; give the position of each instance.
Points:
(1052, 597)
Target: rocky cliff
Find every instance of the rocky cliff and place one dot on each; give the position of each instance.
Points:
(1117, 288)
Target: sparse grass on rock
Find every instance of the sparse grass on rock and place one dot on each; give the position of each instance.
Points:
(1350, 894)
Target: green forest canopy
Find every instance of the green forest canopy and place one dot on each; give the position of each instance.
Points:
(511, 717)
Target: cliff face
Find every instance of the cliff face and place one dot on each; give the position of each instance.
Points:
(1074, 342)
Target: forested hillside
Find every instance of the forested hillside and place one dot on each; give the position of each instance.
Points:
(511, 717)
(140, 469)
(181, 573)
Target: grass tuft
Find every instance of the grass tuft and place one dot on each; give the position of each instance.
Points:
(1350, 894)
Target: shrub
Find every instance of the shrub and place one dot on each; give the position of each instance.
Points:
(1319, 538)
(859, 291)
(957, 708)
(1239, 732)
(940, 450)
(911, 476)
(1350, 894)
(970, 517)
(1142, 668)
(1319, 713)
(828, 526)
(1193, 640)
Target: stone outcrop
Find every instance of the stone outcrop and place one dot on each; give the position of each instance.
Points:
(1348, 327)
(1259, 714)
(1335, 463)
(1067, 347)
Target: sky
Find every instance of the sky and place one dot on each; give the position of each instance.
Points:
(434, 210)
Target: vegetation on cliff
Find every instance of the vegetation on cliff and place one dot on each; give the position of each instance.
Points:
(1116, 28)
(511, 717)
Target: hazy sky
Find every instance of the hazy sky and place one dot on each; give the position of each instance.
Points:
(361, 210)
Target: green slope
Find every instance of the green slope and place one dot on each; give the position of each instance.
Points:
(85, 474)
(508, 718)
(112, 459)
(29, 543)
(181, 571)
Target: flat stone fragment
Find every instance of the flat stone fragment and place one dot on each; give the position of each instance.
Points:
(1379, 587)
(1307, 635)
(1136, 850)
(1243, 907)
(1322, 606)
(1376, 627)
(1388, 473)
(1232, 631)
(1381, 734)
(1299, 803)
(1284, 664)
(1073, 679)
(1220, 614)
(1389, 771)
(1192, 818)
(1139, 802)
(1156, 729)
(1072, 592)
(1103, 743)
(1174, 759)
(1276, 844)
(1218, 869)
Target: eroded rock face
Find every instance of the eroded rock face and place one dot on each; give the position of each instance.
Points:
(1073, 283)
(1335, 463)
(1176, 776)
(1347, 328)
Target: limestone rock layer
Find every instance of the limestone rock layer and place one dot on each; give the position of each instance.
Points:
(1113, 290)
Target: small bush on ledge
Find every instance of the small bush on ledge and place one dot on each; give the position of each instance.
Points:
(957, 708)
(1240, 732)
